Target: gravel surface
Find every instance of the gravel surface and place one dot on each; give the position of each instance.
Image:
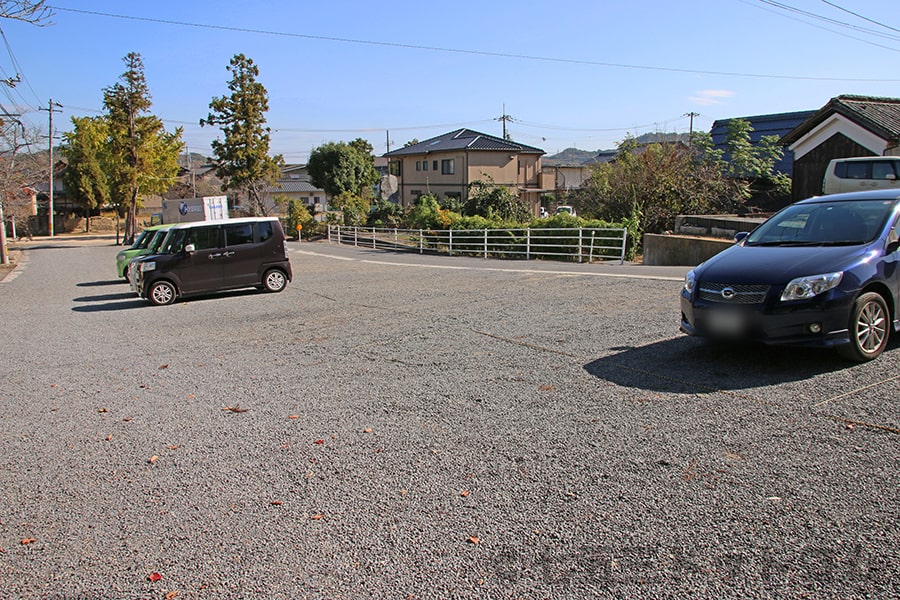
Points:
(412, 427)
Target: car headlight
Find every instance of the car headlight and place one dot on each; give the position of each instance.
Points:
(120, 256)
(803, 288)
(689, 282)
(150, 265)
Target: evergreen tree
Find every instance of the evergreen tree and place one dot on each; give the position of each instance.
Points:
(85, 175)
(143, 157)
(340, 168)
(242, 158)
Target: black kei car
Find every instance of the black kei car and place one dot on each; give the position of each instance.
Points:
(821, 272)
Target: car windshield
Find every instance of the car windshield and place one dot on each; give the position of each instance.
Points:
(142, 240)
(843, 223)
(174, 241)
(157, 240)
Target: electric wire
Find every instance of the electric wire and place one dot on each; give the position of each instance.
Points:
(470, 52)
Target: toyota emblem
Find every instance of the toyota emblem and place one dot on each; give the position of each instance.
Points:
(728, 293)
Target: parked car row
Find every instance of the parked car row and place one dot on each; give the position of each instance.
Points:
(821, 272)
(207, 256)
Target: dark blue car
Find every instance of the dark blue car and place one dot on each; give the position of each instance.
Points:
(821, 272)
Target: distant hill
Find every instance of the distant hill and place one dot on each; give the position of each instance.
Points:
(574, 156)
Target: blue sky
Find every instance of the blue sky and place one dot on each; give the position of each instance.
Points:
(582, 73)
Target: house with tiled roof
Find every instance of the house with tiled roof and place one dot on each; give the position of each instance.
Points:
(445, 166)
(294, 184)
(846, 126)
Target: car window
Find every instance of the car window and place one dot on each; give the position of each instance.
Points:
(266, 230)
(882, 169)
(204, 238)
(238, 233)
(859, 170)
(157, 240)
(174, 241)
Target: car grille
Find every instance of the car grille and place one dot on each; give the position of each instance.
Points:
(734, 294)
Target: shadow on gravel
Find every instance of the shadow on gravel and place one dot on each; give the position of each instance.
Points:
(134, 303)
(105, 297)
(100, 283)
(688, 365)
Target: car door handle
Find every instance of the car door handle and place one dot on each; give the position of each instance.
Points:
(228, 254)
(212, 256)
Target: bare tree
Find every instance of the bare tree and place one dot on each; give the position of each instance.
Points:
(36, 13)
(20, 170)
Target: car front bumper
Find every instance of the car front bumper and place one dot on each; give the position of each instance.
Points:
(819, 322)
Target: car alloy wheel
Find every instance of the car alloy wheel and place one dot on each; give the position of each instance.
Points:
(162, 293)
(274, 280)
(868, 328)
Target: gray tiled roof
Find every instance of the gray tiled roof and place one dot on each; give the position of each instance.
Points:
(292, 186)
(881, 116)
(465, 139)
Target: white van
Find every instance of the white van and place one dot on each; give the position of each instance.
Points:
(862, 173)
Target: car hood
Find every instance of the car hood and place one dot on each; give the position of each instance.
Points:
(780, 264)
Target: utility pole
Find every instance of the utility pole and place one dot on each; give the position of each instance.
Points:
(504, 117)
(691, 131)
(50, 108)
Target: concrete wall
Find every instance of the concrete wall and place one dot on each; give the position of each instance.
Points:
(679, 250)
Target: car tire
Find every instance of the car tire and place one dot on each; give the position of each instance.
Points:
(274, 280)
(869, 328)
(162, 293)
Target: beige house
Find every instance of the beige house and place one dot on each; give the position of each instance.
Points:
(445, 166)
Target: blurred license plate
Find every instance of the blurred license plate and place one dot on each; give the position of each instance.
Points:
(725, 322)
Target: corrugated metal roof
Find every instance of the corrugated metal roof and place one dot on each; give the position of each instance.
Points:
(465, 139)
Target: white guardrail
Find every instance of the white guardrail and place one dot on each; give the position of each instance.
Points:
(585, 244)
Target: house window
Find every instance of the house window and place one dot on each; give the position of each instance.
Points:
(434, 165)
(424, 165)
(419, 165)
(447, 166)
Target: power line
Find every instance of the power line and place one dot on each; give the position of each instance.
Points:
(859, 16)
(572, 61)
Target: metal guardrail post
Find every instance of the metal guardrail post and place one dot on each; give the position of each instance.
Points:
(450, 241)
(421, 242)
(579, 244)
(485, 243)
(528, 243)
(373, 239)
(624, 240)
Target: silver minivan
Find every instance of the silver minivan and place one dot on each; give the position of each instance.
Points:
(862, 173)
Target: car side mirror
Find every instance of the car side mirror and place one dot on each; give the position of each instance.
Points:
(740, 235)
(893, 242)
(890, 176)
(190, 248)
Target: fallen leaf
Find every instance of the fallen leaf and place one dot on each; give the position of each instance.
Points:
(27, 541)
(320, 442)
(318, 517)
(127, 419)
(236, 409)
(293, 416)
(109, 438)
(464, 493)
(276, 502)
(172, 594)
(473, 539)
(154, 576)
(153, 459)
(54, 385)
(191, 396)
(172, 447)
(163, 366)
(102, 410)
(367, 430)
(546, 388)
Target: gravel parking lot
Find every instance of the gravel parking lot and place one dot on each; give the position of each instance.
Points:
(410, 427)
